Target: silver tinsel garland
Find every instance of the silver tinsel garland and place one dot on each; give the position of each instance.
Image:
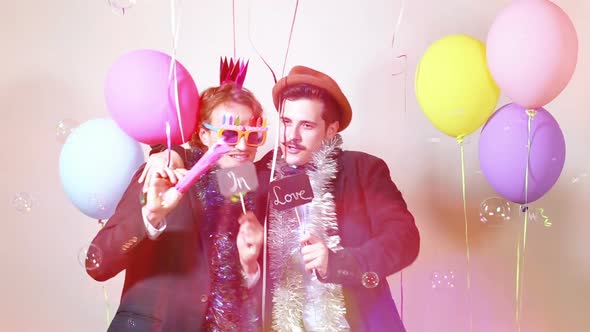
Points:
(300, 301)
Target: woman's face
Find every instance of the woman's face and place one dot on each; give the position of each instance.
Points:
(241, 152)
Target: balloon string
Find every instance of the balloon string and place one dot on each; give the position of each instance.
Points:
(175, 26)
(233, 14)
(274, 76)
(401, 294)
(521, 253)
(467, 254)
(108, 308)
(517, 311)
(275, 152)
(101, 223)
(398, 23)
(290, 36)
(168, 144)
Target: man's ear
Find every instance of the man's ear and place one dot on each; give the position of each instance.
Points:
(332, 129)
(203, 135)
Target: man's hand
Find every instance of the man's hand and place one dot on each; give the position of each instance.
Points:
(249, 241)
(158, 162)
(161, 196)
(315, 254)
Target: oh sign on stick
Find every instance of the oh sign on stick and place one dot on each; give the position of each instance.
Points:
(237, 181)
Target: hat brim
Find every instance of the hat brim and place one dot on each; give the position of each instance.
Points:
(294, 79)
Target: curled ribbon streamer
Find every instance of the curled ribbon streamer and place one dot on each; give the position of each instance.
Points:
(403, 71)
(546, 221)
(175, 26)
(394, 38)
(274, 76)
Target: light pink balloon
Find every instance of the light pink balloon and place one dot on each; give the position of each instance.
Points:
(140, 97)
(532, 50)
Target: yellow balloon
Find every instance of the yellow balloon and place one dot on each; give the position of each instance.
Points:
(454, 86)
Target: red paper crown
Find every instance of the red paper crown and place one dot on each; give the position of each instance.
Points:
(234, 71)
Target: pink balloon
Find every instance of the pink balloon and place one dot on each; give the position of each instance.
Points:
(140, 97)
(532, 50)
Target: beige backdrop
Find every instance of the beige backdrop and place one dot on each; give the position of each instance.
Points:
(54, 58)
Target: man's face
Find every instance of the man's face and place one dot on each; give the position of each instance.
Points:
(241, 152)
(302, 130)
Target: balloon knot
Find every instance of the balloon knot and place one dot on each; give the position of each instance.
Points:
(531, 113)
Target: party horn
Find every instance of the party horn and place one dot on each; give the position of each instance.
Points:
(202, 166)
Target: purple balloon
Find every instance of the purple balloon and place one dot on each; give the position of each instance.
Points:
(503, 153)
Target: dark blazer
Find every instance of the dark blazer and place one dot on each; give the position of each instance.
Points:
(166, 280)
(378, 235)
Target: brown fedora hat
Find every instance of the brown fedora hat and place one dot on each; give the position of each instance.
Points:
(305, 75)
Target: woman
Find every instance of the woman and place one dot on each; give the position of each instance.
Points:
(190, 261)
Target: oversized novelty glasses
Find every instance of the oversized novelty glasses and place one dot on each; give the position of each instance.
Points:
(231, 134)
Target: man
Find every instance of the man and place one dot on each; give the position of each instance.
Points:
(357, 229)
(190, 261)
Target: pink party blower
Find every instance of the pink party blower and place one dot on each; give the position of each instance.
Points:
(202, 166)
